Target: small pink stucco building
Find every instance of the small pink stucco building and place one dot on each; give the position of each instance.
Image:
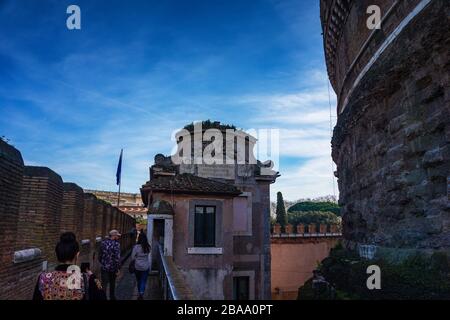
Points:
(214, 223)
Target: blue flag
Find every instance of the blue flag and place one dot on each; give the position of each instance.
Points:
(119, 169)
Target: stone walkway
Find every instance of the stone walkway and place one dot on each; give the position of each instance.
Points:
(126, 288)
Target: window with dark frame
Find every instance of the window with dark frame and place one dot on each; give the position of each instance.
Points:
(241, 288)
(205, 226)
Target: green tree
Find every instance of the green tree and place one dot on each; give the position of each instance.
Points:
(141, 220)
(316, 206)
(317, 217)
(281, 211)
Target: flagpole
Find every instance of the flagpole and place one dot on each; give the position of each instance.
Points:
(118, 196)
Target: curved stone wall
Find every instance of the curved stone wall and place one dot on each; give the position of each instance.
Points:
(391, 143)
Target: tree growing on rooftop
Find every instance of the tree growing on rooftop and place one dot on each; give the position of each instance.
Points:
(208, 124)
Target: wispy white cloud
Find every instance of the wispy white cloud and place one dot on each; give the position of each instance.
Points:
(308, 180)
(303, 118)
(90, 103)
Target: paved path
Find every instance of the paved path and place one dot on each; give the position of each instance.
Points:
(126, 288)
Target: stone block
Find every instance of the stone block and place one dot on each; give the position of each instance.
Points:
(433, 157)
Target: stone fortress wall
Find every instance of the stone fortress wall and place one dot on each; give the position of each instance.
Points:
(391, 143)
(36, 206)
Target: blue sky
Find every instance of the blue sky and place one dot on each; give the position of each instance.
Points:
(139, 70)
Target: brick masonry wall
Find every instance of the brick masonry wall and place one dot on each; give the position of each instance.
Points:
(101, 206)
(122, 230)
(113, 218)
(116, 219)
(107, 219)
(391, 143)
(23, 280)
(126, 229)
(40, 211)
(11, 171)
(72, 209)
(90, 212)
(90, 216)
(37, 200)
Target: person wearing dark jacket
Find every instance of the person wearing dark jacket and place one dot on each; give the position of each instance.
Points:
(109, 258)
(93, 286)
(66, 282)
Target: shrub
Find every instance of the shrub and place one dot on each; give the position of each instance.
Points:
(417, 277)
(326, 206)
(316, 217)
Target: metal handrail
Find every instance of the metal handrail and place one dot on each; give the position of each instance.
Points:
(172, 293)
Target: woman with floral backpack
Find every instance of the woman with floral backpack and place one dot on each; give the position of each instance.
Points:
(66, 282)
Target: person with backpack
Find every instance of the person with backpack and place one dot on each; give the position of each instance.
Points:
(109, 258)
(93, 286)
(141, 263)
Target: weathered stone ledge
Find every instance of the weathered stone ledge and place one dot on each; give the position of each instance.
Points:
(27, 255)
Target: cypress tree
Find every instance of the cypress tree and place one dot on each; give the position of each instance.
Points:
(282, 218)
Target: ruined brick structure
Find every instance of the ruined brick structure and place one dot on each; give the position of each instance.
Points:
(35, 207)
(391, 143)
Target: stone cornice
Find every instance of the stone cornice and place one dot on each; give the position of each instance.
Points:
(337, 12)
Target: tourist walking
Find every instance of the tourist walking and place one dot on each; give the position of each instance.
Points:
(109, 258)
(93, 287)
(66, 282)
(141, 258)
